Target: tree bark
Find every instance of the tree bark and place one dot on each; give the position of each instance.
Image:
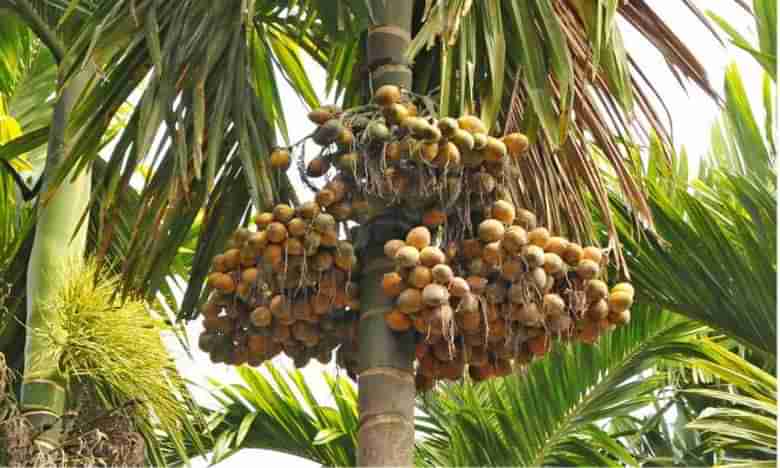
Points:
(386, 373)
(57, 241)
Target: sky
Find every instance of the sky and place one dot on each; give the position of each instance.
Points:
(692, 113)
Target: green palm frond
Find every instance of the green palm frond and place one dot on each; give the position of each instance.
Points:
(55, 22)
(30, 103)
(15, 222)
(715, 262)
(31, 100)
(742, 428)
(45, 24)
(552, 414)
(722, 413)
(765, 53)
(209, 101)
(282, 414)
(750, 146)
(17, 50)
(714, 255)
(15, 214)
(661, 438)
(738, 144)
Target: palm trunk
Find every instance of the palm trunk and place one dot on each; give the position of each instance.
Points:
(386, 377)
(43, 395)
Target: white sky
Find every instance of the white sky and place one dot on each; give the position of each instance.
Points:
(693, 114)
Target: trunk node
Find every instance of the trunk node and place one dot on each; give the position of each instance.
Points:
(386, 440)
(385, 376)
(394, 389)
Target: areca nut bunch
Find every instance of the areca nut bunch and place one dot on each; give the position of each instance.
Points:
(287, 286)
(483, 301)
(396, 151)
(499, 299)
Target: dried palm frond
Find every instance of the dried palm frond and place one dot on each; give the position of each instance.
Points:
(558, 71)
(108, 440)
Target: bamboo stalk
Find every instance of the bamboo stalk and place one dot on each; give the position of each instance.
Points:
(386, 375)
(43, 395)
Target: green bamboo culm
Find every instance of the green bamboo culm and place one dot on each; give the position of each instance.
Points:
(57, 241)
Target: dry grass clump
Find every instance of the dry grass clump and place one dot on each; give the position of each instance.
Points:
(108, 439)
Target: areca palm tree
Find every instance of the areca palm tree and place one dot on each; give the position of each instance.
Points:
(557, 70)
(29, 75)
(580, 406)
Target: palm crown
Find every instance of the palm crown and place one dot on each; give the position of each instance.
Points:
(558, 71)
